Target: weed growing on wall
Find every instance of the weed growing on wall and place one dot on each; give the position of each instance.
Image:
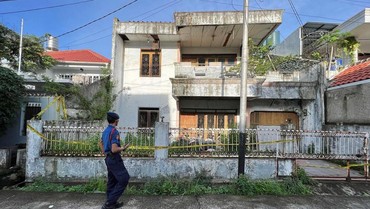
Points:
(93, 105)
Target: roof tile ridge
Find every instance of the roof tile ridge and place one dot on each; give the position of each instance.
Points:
(97, 55)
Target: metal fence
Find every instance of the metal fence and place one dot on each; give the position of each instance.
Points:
(76, 138)
(66, 138)
(269, 143)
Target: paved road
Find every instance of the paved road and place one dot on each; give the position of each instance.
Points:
(323, 168)
(339, 195)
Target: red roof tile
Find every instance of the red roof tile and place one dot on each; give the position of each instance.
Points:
(77, 55)
(352, 74)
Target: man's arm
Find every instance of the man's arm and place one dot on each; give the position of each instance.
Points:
(117, 149)
(100, 144)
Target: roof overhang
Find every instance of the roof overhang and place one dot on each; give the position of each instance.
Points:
(359, 27)
(204, 29)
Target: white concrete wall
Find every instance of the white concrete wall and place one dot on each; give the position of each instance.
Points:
(5, 158)
(82, 169)
(290, 46)
(146, 92)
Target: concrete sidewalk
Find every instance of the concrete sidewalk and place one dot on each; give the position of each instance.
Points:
(323, 168)
(11, 199)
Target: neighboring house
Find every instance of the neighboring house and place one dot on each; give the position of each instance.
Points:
(79, 66)
(303, 41)
(73, 67)
(178, 72)
(347, 99)
(36, 99)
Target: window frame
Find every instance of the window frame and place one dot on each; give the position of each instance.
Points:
(148, 111)
(151, 53)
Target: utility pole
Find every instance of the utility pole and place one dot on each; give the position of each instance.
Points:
(243, 91)
(20, 49)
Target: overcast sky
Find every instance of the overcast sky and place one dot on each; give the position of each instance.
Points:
(58, 17)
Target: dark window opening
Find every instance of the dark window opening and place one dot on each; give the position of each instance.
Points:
(148, 117)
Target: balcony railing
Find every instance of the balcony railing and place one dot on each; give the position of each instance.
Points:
(212, 70)
(83, 79)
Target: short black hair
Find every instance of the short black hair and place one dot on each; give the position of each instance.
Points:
(112, 117)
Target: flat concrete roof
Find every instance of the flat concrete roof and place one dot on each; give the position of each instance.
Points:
(215, 29)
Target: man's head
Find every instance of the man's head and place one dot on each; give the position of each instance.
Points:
(112, 117)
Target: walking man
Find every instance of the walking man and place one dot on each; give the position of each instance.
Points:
(118, 176)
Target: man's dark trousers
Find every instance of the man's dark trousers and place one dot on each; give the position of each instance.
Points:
(118, 178)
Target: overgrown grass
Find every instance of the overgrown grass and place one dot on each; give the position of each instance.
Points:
(298, 184)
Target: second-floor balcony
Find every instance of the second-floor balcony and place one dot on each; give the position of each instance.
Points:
(218, 80)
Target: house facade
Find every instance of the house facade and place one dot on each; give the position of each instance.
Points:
(73, 67)
(179, 72)
(77, 66)
(347, 99)
(303, 41)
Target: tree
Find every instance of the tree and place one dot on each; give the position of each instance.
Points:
(260, 61)
(344, 41)
(11, 94)
(33, 58)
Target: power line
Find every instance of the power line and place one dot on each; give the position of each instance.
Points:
(232, 3)
(100, 18)
(301, 14)
(88, 41)
(144, 13)
(295, 12)
(266, 15)
(169, 5)
(87, 36)
(42, 8)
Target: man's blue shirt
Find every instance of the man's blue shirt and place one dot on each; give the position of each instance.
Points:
(110, 136)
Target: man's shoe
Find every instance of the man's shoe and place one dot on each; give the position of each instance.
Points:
(118, 204)
(106, 206)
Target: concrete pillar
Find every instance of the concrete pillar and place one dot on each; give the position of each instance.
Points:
(21, 158)
(33, 145)
(5, 158)
(161, 139)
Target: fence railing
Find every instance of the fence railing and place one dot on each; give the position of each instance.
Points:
(269, 143)
(81, 139)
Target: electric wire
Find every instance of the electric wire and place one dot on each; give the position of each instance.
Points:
(295, 12)
(43, 8)
(96, 20)
(174, 2)
(161, 7)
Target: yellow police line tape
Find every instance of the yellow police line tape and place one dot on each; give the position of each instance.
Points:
(155, 147)
(196, 146)
(61, 104)
(53, 140)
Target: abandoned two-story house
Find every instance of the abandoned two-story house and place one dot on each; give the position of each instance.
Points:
(178, 72)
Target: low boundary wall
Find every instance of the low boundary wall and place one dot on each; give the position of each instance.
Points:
(84, 168)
